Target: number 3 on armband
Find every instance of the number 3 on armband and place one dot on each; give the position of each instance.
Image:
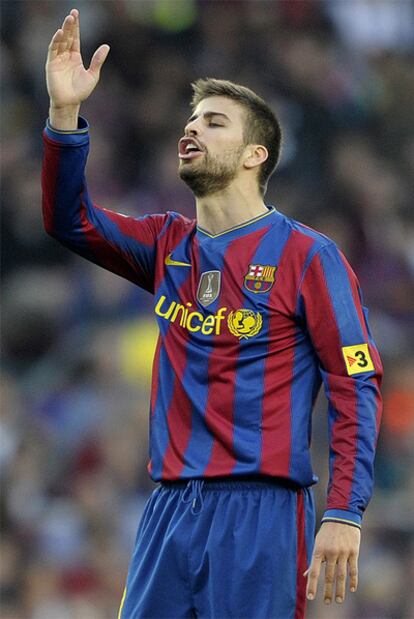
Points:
(357, 359)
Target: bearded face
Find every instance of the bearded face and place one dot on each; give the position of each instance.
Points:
(206, 174)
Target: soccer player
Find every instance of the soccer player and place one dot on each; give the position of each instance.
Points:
(255, 311)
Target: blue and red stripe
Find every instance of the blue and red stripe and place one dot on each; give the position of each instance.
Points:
(222, 373)
(277, 402)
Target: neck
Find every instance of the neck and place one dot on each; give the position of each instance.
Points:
(231, 207)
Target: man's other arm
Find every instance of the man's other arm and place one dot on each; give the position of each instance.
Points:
(330, 304)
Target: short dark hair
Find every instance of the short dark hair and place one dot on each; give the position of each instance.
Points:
(261, 125)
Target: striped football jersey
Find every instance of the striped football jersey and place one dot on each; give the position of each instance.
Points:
(251, 322)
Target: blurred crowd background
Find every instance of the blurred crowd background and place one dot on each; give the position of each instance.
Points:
(77, 341)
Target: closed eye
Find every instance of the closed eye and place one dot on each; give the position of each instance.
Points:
(215, 125)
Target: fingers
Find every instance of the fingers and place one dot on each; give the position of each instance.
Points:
(75, 31)
(313, 575)
(335, 576)
(54, 45)
(66, 38)
(98, 59)
(340, 564)
(341, 567)
(329, 580)
(353, 572)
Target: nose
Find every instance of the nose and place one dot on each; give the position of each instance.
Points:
(192, 128)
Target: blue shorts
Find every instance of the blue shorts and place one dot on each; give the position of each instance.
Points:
(221, 549)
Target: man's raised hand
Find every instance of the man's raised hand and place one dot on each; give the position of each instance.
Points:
(68, 82)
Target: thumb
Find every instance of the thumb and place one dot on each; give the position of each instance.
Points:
(98, 59)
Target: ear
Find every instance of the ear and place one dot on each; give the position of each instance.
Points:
(256, 154)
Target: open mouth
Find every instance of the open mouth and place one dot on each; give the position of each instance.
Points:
(188, 148)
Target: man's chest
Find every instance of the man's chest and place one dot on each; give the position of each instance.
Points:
(234, 294)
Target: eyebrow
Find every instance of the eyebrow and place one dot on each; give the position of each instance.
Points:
(208, 115)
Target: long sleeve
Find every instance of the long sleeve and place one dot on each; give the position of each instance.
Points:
(330, 305)
(121, 244)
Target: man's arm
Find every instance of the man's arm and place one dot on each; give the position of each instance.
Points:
(330, 304)
(124, 245)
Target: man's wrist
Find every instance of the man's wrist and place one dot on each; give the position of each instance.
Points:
(64, 118)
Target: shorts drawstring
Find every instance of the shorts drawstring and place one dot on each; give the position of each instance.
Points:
(192, 492)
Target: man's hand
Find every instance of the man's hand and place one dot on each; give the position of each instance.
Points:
(68, 82)
(337, 545)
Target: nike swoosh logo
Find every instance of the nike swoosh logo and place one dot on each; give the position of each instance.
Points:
(175, 263)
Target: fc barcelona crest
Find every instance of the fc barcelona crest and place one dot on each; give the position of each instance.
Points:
(260, 278)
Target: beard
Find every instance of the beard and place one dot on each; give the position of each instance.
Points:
(211, 174)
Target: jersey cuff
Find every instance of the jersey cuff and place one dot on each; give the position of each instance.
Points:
(73, 137)
(343, 516)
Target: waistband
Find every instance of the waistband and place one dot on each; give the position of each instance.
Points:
(234, 482)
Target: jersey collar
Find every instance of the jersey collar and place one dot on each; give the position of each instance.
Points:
(245, 228)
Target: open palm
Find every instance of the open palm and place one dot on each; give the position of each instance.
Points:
(68, 82)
